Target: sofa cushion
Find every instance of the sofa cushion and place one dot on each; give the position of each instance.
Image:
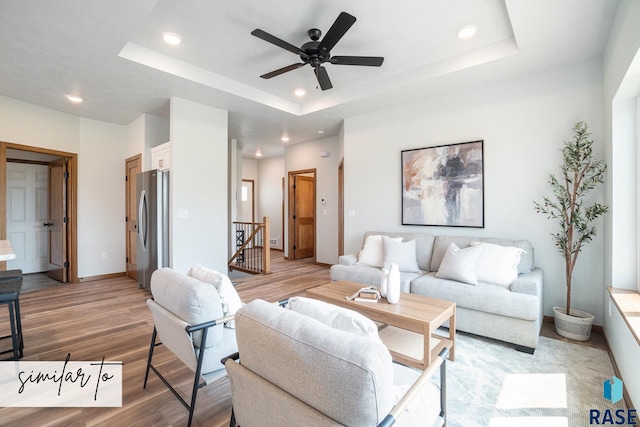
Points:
(336, 317)
(442, 243)
(372, 253)
(498, 264)
(371, 276)
(460, 264)
(483, 297)
(401, 253)
(424, 245)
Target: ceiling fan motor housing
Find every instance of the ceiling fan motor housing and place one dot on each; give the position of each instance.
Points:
(313, 55)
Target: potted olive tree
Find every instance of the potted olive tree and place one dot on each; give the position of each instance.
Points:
(581, 173)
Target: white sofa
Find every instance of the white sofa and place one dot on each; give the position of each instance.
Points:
(509, 312)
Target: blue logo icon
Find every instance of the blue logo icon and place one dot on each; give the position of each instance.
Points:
(612, 389)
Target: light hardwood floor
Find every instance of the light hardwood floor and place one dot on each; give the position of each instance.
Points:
(110, 318)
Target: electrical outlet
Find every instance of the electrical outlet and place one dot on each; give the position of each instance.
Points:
(103, 255)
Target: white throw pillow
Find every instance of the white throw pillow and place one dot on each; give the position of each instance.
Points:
(498, 264)
(401, 253)
(460, 264)
(372, 254)
(336, 317)
(228, 295)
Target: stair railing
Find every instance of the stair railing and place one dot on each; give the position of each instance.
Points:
(253, 253)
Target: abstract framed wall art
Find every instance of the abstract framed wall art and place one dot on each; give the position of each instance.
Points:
(444, 185)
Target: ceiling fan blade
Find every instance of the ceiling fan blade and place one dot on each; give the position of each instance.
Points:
(343, 22)
(370, 61)
(274, 40)
(282, 70)
(323, 78)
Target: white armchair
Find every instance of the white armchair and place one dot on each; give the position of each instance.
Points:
(296, 370)
(189, 321)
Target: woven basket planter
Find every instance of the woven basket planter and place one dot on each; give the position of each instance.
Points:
(576, 326)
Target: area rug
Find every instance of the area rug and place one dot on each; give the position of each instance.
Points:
(492, 385)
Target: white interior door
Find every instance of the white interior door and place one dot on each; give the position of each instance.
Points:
(26, 215)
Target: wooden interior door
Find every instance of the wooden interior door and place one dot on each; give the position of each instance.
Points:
(58, 219)
(133, 167)
(304, 217)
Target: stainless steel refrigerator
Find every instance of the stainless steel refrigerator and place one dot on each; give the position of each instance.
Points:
(152, 188)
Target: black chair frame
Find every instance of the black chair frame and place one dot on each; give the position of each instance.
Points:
(204, 327)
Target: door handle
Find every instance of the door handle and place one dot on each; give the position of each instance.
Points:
(48, 224)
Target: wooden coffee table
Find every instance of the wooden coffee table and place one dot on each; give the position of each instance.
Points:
(408, 326)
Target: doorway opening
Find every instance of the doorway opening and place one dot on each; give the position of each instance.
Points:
(133, 166)
(247, 200)
(57, 234)
(302, 214)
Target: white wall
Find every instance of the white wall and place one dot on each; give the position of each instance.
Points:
(269, 203)
(621, 226)
(134, 141)
(35, 126)
(101, 198)
(523, 122)
(250, 169)
(101, 148)
(307, 156)
(142, 134)
(199, 185)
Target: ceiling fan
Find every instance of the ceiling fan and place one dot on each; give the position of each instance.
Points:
(316, 53)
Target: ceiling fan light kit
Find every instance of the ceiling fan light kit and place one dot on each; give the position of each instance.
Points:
(316, 52)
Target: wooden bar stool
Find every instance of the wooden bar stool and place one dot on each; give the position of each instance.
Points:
(10, 287)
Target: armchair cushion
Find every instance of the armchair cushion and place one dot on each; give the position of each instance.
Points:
(230, 299)
(191, 300)
(336, 317)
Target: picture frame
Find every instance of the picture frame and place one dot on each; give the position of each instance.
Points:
(444, 185)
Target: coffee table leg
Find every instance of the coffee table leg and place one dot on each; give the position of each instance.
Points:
(426, 359)
(452, 334)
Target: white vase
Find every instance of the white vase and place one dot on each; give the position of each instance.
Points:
(383, 282)
(393, 284)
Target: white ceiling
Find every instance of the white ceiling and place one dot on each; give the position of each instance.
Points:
(111, 53)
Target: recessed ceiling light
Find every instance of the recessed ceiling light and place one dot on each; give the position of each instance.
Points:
(74, 98)
(299, 92)
(172, 38)
(320, 132)
(467, 31)
(258, 153)
(285, 139)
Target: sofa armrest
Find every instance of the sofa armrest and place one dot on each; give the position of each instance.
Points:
(529, 283)
(349, 259)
